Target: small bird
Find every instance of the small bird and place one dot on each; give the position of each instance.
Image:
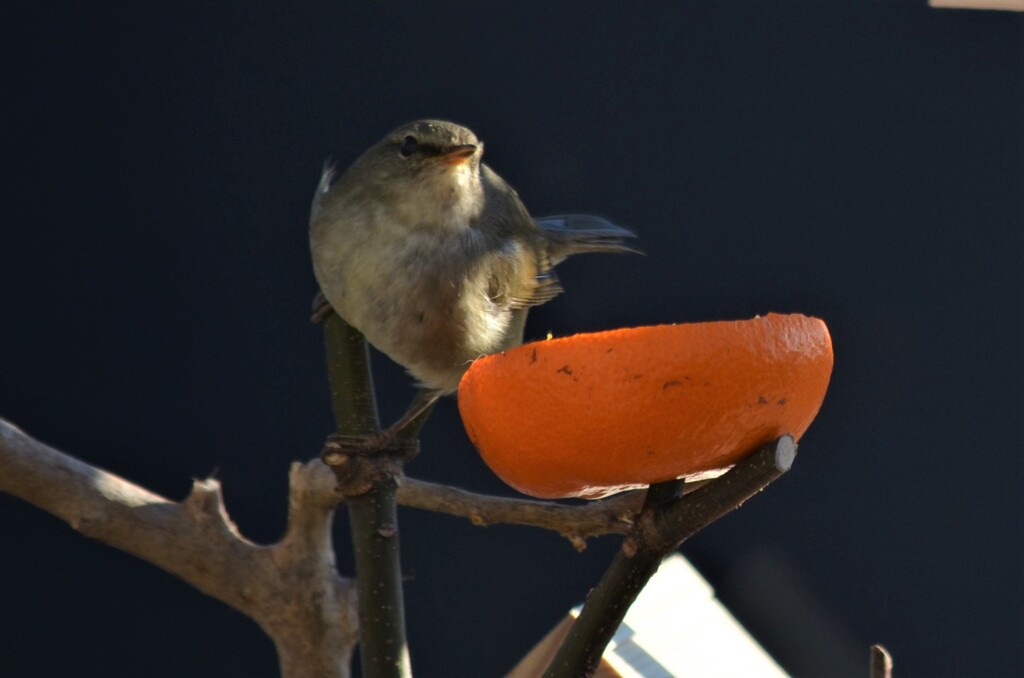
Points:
(433, 257)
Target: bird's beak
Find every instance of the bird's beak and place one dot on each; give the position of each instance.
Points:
(457, 155)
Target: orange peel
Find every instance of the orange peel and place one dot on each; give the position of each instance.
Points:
(598, 413)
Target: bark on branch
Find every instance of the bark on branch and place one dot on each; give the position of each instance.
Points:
(574, 522)
(291, 589)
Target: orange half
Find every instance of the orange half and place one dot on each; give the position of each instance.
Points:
(597, 413)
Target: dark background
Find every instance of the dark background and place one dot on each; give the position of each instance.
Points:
(861, 162)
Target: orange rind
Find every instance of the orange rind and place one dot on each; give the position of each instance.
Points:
(597, 413)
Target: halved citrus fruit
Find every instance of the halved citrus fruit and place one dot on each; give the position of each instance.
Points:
(597, 413)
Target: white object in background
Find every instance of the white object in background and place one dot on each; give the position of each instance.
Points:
(1012, 5)
(676, 627)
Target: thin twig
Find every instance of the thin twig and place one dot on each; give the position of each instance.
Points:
(660, 529)
(574, 522)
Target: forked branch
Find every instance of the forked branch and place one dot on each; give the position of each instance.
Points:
(291, 589)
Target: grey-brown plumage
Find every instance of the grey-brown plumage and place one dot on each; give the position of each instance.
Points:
(432, 256)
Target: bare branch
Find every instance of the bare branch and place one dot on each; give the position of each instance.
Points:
(291, 589)
(312, 614)
(372, 510)
(574, 522)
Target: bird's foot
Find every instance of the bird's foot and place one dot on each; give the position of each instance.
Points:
(385, 442)
(362, 462)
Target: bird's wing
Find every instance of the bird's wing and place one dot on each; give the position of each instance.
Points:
(569, 234)
(520, 276)
(583, 223)
(545, 287)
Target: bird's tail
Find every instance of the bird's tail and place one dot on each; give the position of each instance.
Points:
(579, 233)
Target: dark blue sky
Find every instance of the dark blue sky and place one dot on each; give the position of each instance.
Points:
(862, 162)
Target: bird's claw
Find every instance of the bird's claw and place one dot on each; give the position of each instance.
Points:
(362, 462)
(385, 442)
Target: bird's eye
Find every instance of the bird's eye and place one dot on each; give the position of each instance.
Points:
(409, 146)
